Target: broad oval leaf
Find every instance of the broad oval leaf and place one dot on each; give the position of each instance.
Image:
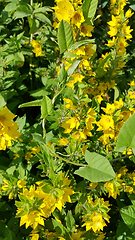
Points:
(126, 137)
(128, 215)
(65, 36)
(99, 168)
(10, 7)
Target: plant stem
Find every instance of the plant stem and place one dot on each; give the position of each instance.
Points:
(116, 159)
(65, 160)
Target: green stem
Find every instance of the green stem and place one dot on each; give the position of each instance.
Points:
(54, 98)
(65, 160)
(116, 159)
(31, 37)
(44, 130)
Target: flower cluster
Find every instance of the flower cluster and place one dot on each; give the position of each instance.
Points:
(37, 48)
(96, 214)
(8, 129)
(119, 31)
(37, 203)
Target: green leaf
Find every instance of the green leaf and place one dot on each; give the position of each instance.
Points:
(98, 170)
(19, 59)
(47, 188)
(38, 138)
(62, 75)
(100, 71)
(131, 197)
(48, 136)
(70, 222)
(31, 104)
(10, 7)
(72, 68)
(128, 215)
(89, 9)
(80, 43)
(133, 7)
(58, 227)
(46, 107)
(123, 232)
(116, 93)
(23, 11)
(33, 24)
(42, 18)
(65, 36)
(43, 10)
(126, 137)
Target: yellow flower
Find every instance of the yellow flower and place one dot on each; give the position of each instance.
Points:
(129, 189)
(64, 10)
(132, 83)
(35, 236)
(6, 117)
(105, 123)
(118, 104)
(32, 219)
(95, 222)
(37, 48)
(86, 30)
(111, 43)
(21, 183)
(69, 104)
(124, 115)
(129, 13)
(93, 185)
(113, 189)
(110, 108)
(79, 136)
(89, 50)
(70, 124)
(63, 141)
(99, 98)
(113, 31)
(131, 94)
(84, 148)
(78, 18)
(114, 22)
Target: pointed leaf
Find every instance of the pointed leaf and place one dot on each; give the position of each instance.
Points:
(23, 11)
(65, 36)
(31, 104)
(126, 137)
(70, 222)
(81, 43)
(42, 17)
(46, 107)
(62, 75)
(98, 170)
(72, 68)
(128, 215)
(38, 138)
(58, 227)
(89, 9)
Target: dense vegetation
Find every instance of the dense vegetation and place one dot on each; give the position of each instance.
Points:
(67, 120)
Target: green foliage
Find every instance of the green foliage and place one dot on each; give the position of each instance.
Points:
(98, 170)
(67, 172)
(89, 9)
(65, 36)
(126, 137)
